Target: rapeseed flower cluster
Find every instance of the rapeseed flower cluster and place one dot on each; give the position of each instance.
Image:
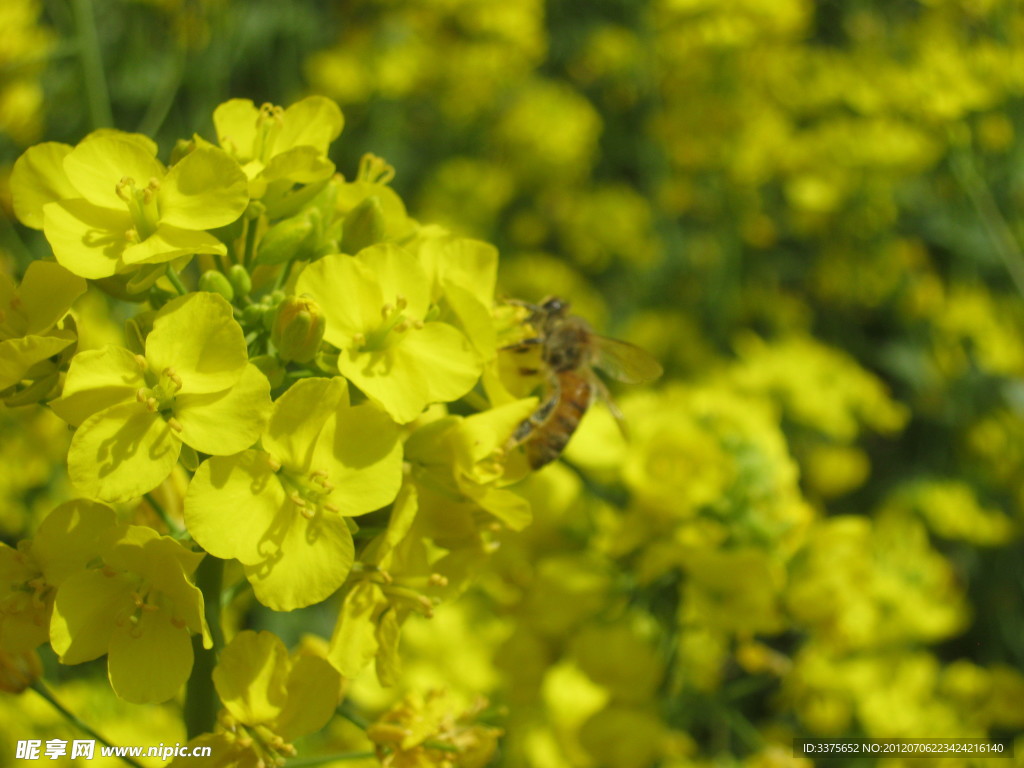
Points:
(289, 414)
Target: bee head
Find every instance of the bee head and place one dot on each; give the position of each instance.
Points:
(555, 306)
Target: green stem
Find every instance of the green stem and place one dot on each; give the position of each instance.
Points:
(161, 103)
(991, 217)
(228, 595)
(175, 531)
(251, 225)
(201, 702)
(346, 710)
(14, 242)
(176, 281)
(282, 277)
(45, 692)
(742, 727)
(96, 92)
(308, 762)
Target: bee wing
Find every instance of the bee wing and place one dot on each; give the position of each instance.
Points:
(624, 361)
(606, 397)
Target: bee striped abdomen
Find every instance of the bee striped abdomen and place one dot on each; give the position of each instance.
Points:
(548, 431)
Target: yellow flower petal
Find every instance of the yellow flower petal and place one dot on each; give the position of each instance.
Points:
(252, 675)
(84, 613)
(299, 416)
(204, 190)
(197, 336)
(224, 485)
(96, 167)
(86, 239)
(314, 558)
(121, 453)
(135, 647)
(38, 178)
(96, 380)
(222, 423)
(168, 243)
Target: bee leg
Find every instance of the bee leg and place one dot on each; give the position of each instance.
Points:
(524, 346)
(531, 423)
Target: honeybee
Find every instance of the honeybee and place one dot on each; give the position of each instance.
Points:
(570, 351)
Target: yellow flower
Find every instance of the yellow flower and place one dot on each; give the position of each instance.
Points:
(29, 336)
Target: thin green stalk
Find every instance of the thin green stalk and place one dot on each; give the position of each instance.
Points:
(309, 762)
(14, 241)
(39, 687)
(228, 595)
(175, 531)
(96, 93)
(176, 281)
(992, 219)
(742, 727)
(282, 276)
(201, 702)
(161, 103)
(250, 242)
(359, 721)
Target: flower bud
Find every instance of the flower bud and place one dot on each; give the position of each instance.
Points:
(282, 241)
(298, 329)
(363, 226)
(239, 278)
(215, 282)
(252, 315)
